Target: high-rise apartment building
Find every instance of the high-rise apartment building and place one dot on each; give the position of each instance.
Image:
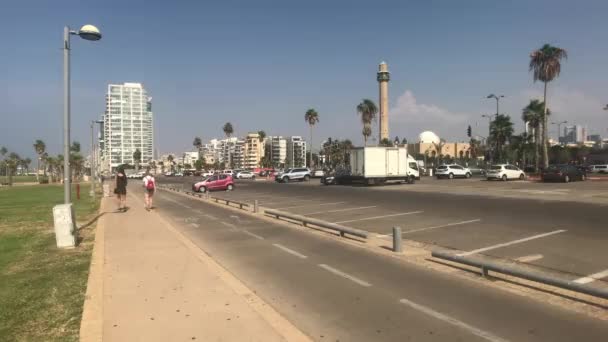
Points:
(253, 151)
(276, 148)
(296, 152)
(128, 125)
(575, 134)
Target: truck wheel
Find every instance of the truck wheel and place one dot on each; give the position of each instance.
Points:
(411, 180)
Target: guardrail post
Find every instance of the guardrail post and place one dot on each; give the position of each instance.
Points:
(484, 272)
(240, 206)
(341, 233)
(256, 206)
(397, 248)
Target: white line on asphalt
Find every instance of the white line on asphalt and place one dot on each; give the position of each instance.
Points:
(211, 217)
(511, 242)
(448, 319)
(339, 210)
(530, 258)
(252, 234)
(228, 224)
(592, 277)
(378, 217)
(345, 275)
(287, 200)
(434, 227)
(290, 251)
(195, 225)
(308, 205)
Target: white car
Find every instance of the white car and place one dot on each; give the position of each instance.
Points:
(505, 172)
(229, 172)
(301, 174)
(452, 171)
(207, 174)
(318, 173)
(599, 168)
(245, 175)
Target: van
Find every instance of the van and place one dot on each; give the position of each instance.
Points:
(599, 168)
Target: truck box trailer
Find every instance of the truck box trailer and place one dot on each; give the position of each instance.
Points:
(375, 165)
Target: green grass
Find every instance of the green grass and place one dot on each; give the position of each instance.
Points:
(19, 179)
(42, 288)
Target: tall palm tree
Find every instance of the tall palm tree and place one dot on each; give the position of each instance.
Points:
(137, 158)
(228, 129)
(12, 162)
(545, 63)
(262, 136)
(439, 150)
(368, 111)
(40, 148)
(311, 117)
(501, 130)
(45, 157)
(50, 163)
(367, 131)
(170, 159)
(533, 115)
(198, 143)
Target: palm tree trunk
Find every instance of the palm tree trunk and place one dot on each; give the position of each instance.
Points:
(38, 171)
(545, 130)
(364, 140)
(311, 161)
(537, 147)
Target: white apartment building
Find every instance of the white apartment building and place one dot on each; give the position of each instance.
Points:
(253, 151)
(190, 158)
(276, 147)
(128, 125)
(296, 152)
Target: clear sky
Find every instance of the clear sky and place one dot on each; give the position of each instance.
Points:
(262, 64)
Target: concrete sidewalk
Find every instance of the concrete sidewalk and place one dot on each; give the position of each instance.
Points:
(150, 283)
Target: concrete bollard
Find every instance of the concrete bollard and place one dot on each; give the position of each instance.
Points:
(397, 248)
(256, 206)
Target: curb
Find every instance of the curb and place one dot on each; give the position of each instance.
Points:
(91, 324)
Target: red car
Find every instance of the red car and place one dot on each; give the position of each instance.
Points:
(216, 182)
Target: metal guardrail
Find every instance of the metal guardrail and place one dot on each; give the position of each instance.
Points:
(319, 223)
(518, 272)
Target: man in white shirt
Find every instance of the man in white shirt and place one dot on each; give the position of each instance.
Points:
(149, 187)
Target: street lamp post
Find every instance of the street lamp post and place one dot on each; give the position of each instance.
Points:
(88, 32)
(489, 117)
(497, 97)
(559, 128)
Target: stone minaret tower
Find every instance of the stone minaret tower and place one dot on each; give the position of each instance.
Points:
(383, 78)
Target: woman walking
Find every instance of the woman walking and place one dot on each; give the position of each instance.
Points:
(149, 187)
(121, 189)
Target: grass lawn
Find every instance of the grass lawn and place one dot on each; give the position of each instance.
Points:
(42, 288)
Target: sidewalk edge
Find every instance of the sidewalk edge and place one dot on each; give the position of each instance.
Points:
(279, 323)
(91, 323)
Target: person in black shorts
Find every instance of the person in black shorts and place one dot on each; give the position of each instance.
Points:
(121, 189)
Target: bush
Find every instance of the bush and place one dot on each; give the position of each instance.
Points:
(43, 180)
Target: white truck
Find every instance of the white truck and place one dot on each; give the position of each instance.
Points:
(377, 165)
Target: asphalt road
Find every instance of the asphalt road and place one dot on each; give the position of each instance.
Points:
(568, 237)
(337, 292)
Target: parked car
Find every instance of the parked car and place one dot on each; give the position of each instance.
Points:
(564, 173)
(245, 175)
(318, 173)
(229, 172)
(179, 174)
(475, 170)
(505, 172)
(599, 168)
(206, 174)
(301, 174)
(217, 182)
(168, 174)
(452, 171)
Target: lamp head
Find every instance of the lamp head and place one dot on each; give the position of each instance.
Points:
(89, 32)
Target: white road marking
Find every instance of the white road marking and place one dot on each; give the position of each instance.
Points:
(339, 210)
(287, 200)
(228, 224)
(511, 242)
(195, 225)
(592, 277)
(453, 321)
(290, 251)
(252, 234)
(378, 217)
(530, 258)
(308, 205)
(433, 227)
(345, 275)
(210, 217)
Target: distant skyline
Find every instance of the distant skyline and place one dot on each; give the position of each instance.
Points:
(262, 64)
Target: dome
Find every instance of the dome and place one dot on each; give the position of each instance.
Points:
(428, 137)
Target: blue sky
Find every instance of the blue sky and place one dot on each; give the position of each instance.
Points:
(262, 64)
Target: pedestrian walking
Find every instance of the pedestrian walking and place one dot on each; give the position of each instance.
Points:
(149, 187)
(121, 189)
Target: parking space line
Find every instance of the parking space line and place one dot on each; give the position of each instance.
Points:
(308, 205)
(592, 277)
(529, 258)
(290, 251)
(453, 321)
(442, 226)
(297, 200)
(195, 225)
(383, 216)
(252, 234)
(228, 224)
(500, 245)
(338, 210)
(345, 275)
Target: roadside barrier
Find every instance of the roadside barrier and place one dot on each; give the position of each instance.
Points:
(519, 272)
(319, 223)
